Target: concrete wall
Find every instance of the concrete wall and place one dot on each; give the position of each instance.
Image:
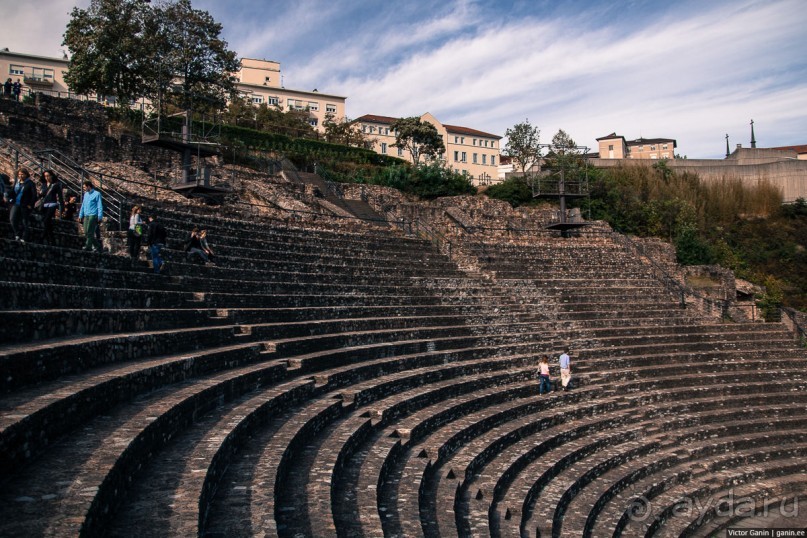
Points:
(789, 174)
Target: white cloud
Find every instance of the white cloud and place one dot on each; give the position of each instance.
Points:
(36, 27)
(694, 71)
(688, 78)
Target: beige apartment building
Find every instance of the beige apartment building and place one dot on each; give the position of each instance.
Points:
(260, 81)
(614, 146)
(469, 151)
(35, 73)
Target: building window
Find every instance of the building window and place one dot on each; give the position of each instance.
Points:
(475, 158)
(313, 105)
(271, 100)
(39, 74)
(462, 140)
(474, 141)
(364, 128)
(456, 156)
(386, 131)
(383, 148)
(653, 156)
(652, 148)
(400, 152)
(665, 155)
(313, 122)
(610, 147)
(456, 140)
(464, 158)
(330, 108)
(484, 159)
(257, 99)
(493, 160)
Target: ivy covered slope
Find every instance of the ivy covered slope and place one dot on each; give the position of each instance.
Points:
(744, 228)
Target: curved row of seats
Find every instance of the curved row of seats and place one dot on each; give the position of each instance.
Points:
(353, 382)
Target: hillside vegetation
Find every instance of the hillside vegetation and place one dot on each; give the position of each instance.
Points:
(741, 227)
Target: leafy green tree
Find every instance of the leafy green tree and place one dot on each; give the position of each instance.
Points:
(293, 123)
(418, 137)
(113, 49)
(200, 66)
(240, 112)
(563, 144)
(131, 49)
(344, 131)
(523, 145)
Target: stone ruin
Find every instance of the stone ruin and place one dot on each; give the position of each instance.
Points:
(336, 376)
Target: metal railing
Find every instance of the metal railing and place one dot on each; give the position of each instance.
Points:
(116, 203)
(790, 317)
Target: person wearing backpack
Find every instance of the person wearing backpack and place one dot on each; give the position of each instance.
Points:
(157, 239)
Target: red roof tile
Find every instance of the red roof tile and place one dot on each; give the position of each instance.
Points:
(798, 149)
(467, 131)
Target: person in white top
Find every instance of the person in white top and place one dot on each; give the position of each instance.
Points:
(134, 235)
(565, 370)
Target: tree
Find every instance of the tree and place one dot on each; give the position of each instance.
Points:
(113, 50)
(199, 65)
(563, 144)
(293, 123)
(523, 145)
(240, 112)
(420, 138)
(344, 131)
(130, 49)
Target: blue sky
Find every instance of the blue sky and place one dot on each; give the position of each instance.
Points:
(689, 70)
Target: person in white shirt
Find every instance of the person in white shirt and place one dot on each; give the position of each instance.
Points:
(565, 370)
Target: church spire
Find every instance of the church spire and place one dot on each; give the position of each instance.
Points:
(753, 140)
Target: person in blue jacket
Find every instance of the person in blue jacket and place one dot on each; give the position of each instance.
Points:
(90, 214)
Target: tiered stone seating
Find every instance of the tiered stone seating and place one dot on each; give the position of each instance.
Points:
(335, 378)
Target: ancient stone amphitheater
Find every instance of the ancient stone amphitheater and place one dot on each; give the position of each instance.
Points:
(332, 376)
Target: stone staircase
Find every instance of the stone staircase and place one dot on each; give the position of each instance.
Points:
(347, 380)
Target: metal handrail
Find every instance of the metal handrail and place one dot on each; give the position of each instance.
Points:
(115, 201)
(793, 323)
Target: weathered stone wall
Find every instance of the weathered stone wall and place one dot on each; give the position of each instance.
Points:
(79, 129)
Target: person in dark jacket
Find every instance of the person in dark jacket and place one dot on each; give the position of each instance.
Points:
(194, 246)
(156, 239)
(5, 188)
(24, 198)
(52, 204)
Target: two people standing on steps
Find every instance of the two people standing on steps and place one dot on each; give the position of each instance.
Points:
(544, 378)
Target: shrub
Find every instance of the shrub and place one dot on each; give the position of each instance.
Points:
(513, 190)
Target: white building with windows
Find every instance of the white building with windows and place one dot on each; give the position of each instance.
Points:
(614, 146)
(35, 73)
(260, 81)
(469, 151)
